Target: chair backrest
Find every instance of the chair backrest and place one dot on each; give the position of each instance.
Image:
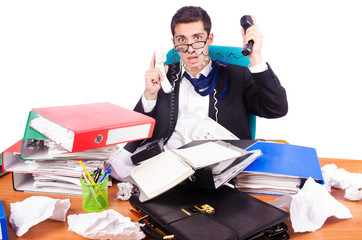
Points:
(226, 54)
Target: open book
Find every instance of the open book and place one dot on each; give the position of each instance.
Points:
(164, 171)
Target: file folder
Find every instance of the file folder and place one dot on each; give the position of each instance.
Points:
(88, 126)
(36, 146)
(286, 159)
(281, 169)
(31, 136)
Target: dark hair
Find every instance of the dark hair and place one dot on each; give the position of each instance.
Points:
(191, 14)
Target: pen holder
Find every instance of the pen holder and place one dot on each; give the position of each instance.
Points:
(94, 196)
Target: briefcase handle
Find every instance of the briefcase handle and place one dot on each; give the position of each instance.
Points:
(277, 232)
(148, 228)
(152, 232)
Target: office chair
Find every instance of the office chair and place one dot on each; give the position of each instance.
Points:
(226, 54)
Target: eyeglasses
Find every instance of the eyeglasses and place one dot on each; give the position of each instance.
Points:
(184, 47)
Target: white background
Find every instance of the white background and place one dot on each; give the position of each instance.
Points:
(72, 52)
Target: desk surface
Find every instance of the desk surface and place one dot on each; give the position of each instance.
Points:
(50, 229)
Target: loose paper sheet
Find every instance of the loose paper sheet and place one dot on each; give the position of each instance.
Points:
(108, 224)
(311, 206)
(342, 179)
(34, 210)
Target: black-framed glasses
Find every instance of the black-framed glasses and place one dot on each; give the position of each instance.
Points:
(184, 47)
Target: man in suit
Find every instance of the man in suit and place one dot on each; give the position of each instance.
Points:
(237, 91)
(204, 88)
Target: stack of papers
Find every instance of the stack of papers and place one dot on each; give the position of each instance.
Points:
(51, 181)
(265, 183)
(64, 167)
(57, 138)
(47, 175)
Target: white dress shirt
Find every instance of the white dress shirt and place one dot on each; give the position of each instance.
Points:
(192, 107)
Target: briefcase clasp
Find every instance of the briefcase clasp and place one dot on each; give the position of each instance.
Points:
(207, 208)
(198, 209)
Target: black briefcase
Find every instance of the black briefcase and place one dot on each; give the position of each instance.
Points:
(190, 213)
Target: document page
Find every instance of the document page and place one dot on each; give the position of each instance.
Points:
(206, 154)
(160, 173)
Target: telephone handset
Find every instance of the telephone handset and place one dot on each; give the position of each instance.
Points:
(247, 22)
(160, 59)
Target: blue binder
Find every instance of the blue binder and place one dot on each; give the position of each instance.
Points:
(286, 159)
(3, 228)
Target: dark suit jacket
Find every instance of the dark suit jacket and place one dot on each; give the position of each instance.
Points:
(260, 94)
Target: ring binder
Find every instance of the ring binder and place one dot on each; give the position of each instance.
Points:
(88, 126)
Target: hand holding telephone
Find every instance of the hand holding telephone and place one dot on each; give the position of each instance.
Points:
(247, 22)
(160, 59)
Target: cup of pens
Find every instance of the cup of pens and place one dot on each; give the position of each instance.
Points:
(94, 193)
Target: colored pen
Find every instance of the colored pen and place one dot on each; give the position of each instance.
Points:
(98, 173)
(104, 176)
(92, 191)
(85, 170)
(86, 179)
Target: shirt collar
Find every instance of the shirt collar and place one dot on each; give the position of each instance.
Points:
(204, 71)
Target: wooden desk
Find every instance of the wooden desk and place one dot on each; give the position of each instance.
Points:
(50, 229)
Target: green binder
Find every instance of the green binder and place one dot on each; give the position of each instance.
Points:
(32, 142)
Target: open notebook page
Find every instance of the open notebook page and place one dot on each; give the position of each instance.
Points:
(206, 154)
(160, 173)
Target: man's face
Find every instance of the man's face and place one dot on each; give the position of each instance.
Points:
(189, 33)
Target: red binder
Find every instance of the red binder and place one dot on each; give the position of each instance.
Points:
(94, 125)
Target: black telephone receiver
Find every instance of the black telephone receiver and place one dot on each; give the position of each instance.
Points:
(246, 22)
